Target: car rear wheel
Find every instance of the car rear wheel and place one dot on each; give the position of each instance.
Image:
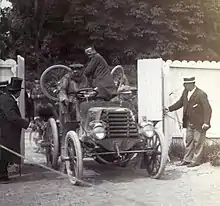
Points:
(52, 141)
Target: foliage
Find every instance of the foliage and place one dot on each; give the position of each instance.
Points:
(51, 31)
(5, 39)
(211, 152)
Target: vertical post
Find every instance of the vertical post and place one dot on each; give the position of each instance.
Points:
(21, 102)
(163, 95)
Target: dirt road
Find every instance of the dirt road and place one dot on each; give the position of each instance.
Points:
(180, 186)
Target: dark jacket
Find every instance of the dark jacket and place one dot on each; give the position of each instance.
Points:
(29, 107)
(197, 110)
(11, 125)
(100, 73)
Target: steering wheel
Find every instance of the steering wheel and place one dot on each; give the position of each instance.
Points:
(86, 93)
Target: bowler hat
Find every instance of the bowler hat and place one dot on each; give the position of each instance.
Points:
(3, 84)
(15, 84)
(189, 80)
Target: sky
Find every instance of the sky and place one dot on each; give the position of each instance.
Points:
(4, 3)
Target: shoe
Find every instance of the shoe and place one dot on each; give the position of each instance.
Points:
(183, 163)
(192, 165)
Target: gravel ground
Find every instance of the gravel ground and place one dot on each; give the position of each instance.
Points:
(180, 186)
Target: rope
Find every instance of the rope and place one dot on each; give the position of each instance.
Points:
(66, 176)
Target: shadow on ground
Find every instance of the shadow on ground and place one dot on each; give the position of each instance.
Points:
(31, 173)
(113, 174)
(94, 173)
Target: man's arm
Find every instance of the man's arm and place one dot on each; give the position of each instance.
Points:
(177, 105)
(206, 107)
(62, 89)
(9, 107)
(91, 67)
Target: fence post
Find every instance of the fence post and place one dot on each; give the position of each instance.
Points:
(21, 73)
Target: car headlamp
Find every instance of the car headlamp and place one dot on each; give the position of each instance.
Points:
(98, 131)
(147, 129)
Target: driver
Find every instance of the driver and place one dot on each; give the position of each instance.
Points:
(127, 96)
(99, 74)
(67, 86)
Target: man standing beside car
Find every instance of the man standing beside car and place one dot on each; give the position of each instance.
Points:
(11, 124)
(196, 119)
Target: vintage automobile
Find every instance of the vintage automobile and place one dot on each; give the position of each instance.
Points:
(106, 131)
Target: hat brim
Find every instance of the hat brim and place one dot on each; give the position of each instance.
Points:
(189, 82)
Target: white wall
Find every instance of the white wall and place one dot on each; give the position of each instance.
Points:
(207, 76)
(157, 79)
(5, 3)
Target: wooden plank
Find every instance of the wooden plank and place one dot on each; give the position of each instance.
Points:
(21, 101)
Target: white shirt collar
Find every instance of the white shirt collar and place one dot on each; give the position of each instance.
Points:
(191, 92)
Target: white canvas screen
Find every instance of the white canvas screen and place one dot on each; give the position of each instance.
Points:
(150, 95)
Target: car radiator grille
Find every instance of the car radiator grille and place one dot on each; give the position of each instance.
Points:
(119, 124)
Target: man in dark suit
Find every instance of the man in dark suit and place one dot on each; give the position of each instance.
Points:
(99, 74)
(196, 118)
(11, 124)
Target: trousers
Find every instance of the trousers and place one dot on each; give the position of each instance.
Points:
(3, 167)
(194, 145)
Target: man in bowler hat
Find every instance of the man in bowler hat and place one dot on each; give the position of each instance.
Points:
(11, 124)
(196, 119)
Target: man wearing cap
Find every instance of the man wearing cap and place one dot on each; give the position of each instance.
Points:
(37, 95)
(3, 86)
(196, 119)
(127, 97)
(67, 86)
(99, 74)
(11, 124)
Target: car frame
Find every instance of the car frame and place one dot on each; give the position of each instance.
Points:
(110, 134)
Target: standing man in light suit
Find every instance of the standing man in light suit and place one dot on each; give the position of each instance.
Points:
(196, 119)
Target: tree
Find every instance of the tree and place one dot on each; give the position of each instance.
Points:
(5, 37)
(54, 31)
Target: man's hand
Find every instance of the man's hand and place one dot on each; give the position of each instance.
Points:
(32, 125)
(205, 127)
(166, 110)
